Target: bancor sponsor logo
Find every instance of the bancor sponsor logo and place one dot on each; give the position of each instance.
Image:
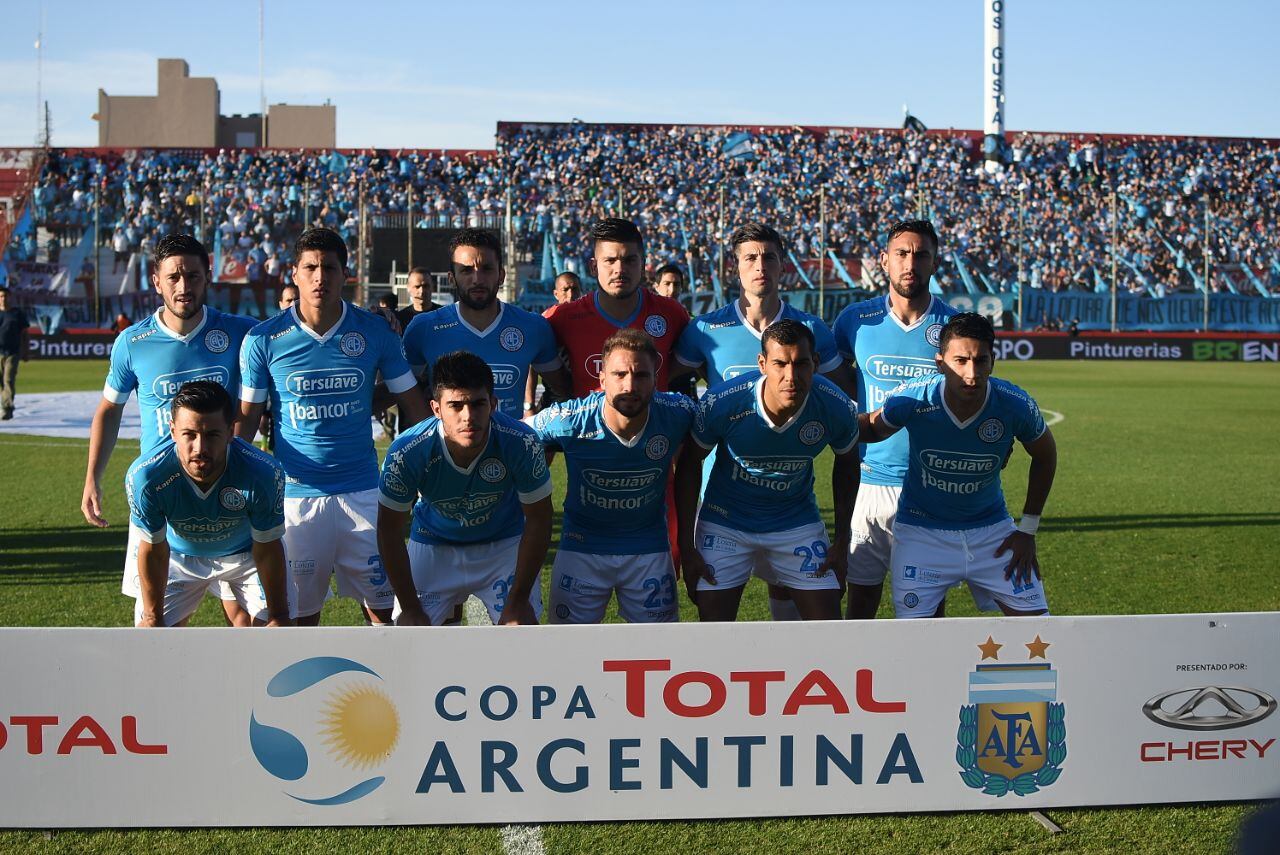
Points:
(325, 381)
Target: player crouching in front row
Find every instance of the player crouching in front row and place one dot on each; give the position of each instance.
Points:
(759, 514)
(467, 473)
(953, 524)
(210, 510)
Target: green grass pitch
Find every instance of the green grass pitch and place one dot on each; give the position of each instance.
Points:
(1167, 499)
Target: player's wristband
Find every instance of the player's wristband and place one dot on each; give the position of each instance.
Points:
(527, 406)
(1029, 524)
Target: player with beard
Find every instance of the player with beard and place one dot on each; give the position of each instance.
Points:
(889, 340)
(184, 340)
(211, 512)
(619, 444)
(511, 340)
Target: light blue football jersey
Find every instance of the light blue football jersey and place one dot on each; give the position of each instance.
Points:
(953, 478)
(479, 504)
(615, 501)
(155, 361)
(728, 346)
(887, 353)
(246, 503)
(515, 340)
(762, 480)
(321, 389)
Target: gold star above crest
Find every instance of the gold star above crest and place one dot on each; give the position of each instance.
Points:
(1037, 648)
(990, 649)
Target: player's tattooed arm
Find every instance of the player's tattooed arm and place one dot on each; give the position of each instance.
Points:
(268, 558)
(688, 480)
(845, 478)
(534, 543)
(250, 415)
(395, 563)
(1022, 546)
(103, 433)
(153, 578)
(873, 428)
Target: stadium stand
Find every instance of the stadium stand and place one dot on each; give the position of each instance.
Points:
(1048, 214)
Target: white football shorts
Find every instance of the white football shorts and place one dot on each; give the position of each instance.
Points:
(788, 558)
(582, 582)
(445, 574)
(327, 535)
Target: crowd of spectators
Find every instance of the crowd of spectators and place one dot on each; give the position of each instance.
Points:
(1047, 215)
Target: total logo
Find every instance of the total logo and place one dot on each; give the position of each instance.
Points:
(324, 728)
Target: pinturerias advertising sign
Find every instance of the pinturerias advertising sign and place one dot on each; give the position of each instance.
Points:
(356, 726)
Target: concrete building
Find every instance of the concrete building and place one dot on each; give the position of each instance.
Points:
(185, 112)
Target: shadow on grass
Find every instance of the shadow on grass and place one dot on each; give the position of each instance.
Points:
(58, 555)
(1115, 522)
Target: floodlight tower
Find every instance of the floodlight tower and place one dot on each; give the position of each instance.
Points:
(993, 144)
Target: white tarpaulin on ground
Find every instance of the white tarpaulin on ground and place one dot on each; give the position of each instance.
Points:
(124, 727)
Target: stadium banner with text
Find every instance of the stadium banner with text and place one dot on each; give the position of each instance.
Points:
(1222, 347)
(1228, 312)
(71, 346)
(348, 726)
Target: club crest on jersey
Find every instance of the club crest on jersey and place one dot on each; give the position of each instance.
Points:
(933, 334)
(656, 448)
(655, 325)
(511, 339)
(492, 470)
(217, 341)
(1013, 732)
(231, 499)
(352, 344)
(812, 432)
(991, 430)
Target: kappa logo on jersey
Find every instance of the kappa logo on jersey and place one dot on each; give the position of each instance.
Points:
(492, 470)
(933, 334)
(657, 447)
(511, 339)
(217, 341)
(352, 344)
(352, 716)
(1013, 732)
(991, 430)
(504, 377)
(231, 499)
(167, 385)
(812, 432)
(655, 325)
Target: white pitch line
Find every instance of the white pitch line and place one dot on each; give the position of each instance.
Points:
(1053, 417)
(516, 839)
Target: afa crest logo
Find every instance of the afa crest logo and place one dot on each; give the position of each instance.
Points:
(1013, 732)
(356, 730)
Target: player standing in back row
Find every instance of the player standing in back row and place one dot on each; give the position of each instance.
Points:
(888, 339)
(318, 362)
(514, 343)
(953, 525)
(183, 341)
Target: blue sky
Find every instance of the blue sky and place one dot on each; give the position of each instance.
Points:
(433, 74)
